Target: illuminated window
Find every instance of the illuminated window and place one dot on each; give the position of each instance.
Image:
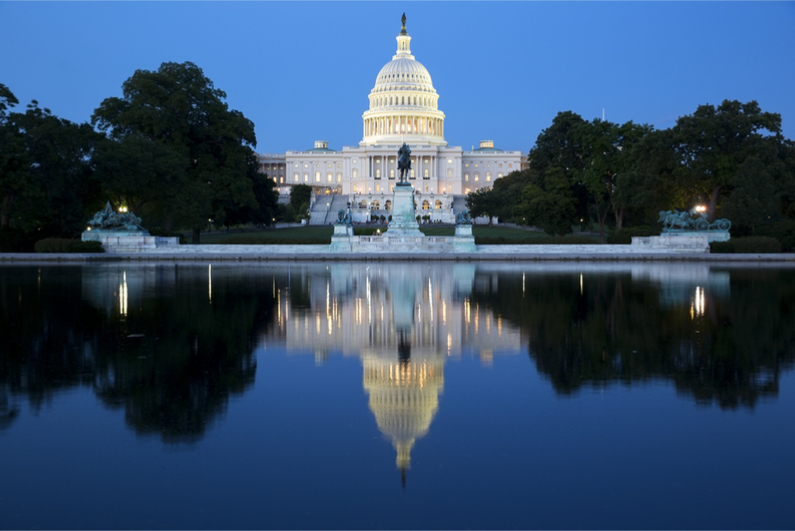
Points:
(466, 177)
(449, 173)
(296, 177)
(354, 173)
(476, 164)
(488, 176)
(306, 165)
(466, 190)
(317, 176)
(329, 177)
(306, 177)
(438, 205)
(392, 173)
(296, 164)
(499, 175)
(500, 165)
(477, 177)
(426, 174)
(377, 189)
(449, 161)
(426, 205)
(466, 165)
(281, 180)
(510, 165)
(355, 161)
(411, 174)
(355, 188)
(339, 177)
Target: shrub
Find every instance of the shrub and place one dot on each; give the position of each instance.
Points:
(749, 244)
(66, 245)
(783, 231)
(624, 236)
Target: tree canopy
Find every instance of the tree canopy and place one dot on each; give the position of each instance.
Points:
(177, 109)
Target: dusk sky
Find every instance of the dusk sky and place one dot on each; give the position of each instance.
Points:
(301, 71)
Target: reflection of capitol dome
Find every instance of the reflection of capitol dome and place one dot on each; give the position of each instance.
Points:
(404, 397)
(403, 103)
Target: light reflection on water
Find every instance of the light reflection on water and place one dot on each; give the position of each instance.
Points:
(453, 356)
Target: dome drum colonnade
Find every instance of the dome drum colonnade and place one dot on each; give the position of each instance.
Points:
(403, 107)
(403, 103)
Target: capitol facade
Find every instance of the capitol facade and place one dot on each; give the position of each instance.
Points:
(403, 107)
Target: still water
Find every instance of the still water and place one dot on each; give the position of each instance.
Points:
(397, 395)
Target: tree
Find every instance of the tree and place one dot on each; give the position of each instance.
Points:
(710, 145)
(47, 183)
(754, 199)
(178, 106)
(484, 202)
(548, 204)
(607, 150)
(300, 194)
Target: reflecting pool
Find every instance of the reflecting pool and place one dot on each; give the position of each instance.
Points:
(397, 395)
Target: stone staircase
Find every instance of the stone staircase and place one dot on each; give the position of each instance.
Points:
(324, 211)
(320, 209)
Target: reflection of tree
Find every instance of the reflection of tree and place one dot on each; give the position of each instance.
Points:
(172, 362)
(613, 329)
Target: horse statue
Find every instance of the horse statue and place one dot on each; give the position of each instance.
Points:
(462, 218)
(107, 219)
(344, 218)
(404, 163)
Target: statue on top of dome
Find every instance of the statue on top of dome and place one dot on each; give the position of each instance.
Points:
(403, 28)
(404, 163)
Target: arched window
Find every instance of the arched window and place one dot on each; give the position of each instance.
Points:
(426, 205)
(376, 205)
(438, 204)
(362, 204)
(388, 204)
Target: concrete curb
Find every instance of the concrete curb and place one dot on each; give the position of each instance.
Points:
(6, 258)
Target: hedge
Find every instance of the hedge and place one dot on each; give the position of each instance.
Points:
(748, 244)
(783, 231)
(624, 236)
(66, 245)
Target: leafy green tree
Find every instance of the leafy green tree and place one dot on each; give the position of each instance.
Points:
(509, 189)
(548, 203)
(607, 150)
(178, 106)
(300, 194)
(47, 183)
(710, 145)
(754, 199)
(484, 202)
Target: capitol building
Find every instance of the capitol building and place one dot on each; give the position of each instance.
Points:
(403, 107)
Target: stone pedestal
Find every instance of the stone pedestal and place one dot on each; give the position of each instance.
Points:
(404, 217)
(341, 239)
(464, 242)
(135, 241)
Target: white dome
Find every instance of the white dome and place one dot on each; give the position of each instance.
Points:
(403, 72)
(403, 102)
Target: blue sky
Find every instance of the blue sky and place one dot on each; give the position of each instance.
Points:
(301, 71)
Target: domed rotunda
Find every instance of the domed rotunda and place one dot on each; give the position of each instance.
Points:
(403, 103)
(403, 107)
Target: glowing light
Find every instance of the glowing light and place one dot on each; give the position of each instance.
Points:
(701, 208)
(698, 303)
(123, 294)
